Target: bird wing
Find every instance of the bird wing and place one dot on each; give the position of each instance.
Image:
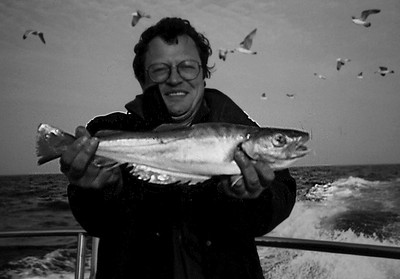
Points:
(41, 36)
(339, 64)
(382, 68)
(27, 33)
(140, 13)
(222, 54)
(366, 13)
(248, 40)
(135, 19)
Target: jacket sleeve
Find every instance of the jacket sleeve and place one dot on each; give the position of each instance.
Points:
(93, 211)
(99, 211)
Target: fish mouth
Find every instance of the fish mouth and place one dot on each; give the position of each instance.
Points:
(300, 151)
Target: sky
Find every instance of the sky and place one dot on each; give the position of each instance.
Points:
(84, 70)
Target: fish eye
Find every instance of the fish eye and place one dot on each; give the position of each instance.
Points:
(279, 140)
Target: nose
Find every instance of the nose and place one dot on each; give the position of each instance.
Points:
(174, 77)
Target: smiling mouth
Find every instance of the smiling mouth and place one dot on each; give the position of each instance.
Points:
(175, 93)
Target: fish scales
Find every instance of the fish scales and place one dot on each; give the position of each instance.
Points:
(202, 150)
(187, 154)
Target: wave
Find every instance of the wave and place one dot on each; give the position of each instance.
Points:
(59, 263)
(342, 187)
(308, 221)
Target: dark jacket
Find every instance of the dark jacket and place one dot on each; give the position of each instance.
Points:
(152, 231)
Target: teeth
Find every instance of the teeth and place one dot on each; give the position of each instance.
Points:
(176, 94)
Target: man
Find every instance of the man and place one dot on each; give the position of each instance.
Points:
(152, 231)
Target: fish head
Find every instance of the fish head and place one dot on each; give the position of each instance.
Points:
(276, 146)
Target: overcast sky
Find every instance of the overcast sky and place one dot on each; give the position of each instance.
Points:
(84, 70)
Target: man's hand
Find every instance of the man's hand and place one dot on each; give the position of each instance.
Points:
(76, 163)
(256, 177)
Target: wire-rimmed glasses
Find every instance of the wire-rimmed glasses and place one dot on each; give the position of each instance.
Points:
(187, 69)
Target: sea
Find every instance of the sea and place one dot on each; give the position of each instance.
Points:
(357, 204)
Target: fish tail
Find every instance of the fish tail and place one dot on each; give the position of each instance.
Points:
(51, 143)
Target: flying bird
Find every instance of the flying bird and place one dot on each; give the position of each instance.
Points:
(136, 16)
(340, 62)
(360, 75)
(363, 19)
(34, 32)
(264, 96)
(245, 45)
(223, 52)
(319, 76)
(290, 95)
(383, 71)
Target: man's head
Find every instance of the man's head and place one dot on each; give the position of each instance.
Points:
(173, 55)
(169, 29)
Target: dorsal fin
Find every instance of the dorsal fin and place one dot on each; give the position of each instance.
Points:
(168, 127)
(107, 133)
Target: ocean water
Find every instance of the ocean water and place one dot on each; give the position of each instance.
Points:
(359, 204)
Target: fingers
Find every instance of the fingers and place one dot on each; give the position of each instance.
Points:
(265, 174)
(81, 131)
(256, 176)
(85, 152)
(74, 162)
(97, 178)
(250, 181)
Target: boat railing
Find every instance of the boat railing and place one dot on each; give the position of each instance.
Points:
(369, 250)
(82, 238)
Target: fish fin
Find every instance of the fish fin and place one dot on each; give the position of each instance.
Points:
(51, 142)
(163, 177)
(103, 162)
(167, 127)
(107, 133)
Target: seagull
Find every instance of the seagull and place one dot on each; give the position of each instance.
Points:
(223, 52)
(34, 32)
(319, 76)
(290, 95)
(360, 75)
(384, 71)
(362, 20)
(138, 15)
(264, 96)
(340, 62)
(245, 45)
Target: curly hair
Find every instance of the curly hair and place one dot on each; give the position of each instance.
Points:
(169, 29)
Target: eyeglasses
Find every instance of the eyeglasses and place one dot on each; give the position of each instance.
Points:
(187, 69)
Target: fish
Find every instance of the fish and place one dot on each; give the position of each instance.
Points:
(188, 155)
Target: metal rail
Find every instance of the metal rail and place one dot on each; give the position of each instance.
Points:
(267, 241)
(81, 246)
(337, 247)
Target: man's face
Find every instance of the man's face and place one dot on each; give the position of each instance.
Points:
(179, 95)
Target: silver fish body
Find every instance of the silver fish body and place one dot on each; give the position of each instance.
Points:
(187, 155)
